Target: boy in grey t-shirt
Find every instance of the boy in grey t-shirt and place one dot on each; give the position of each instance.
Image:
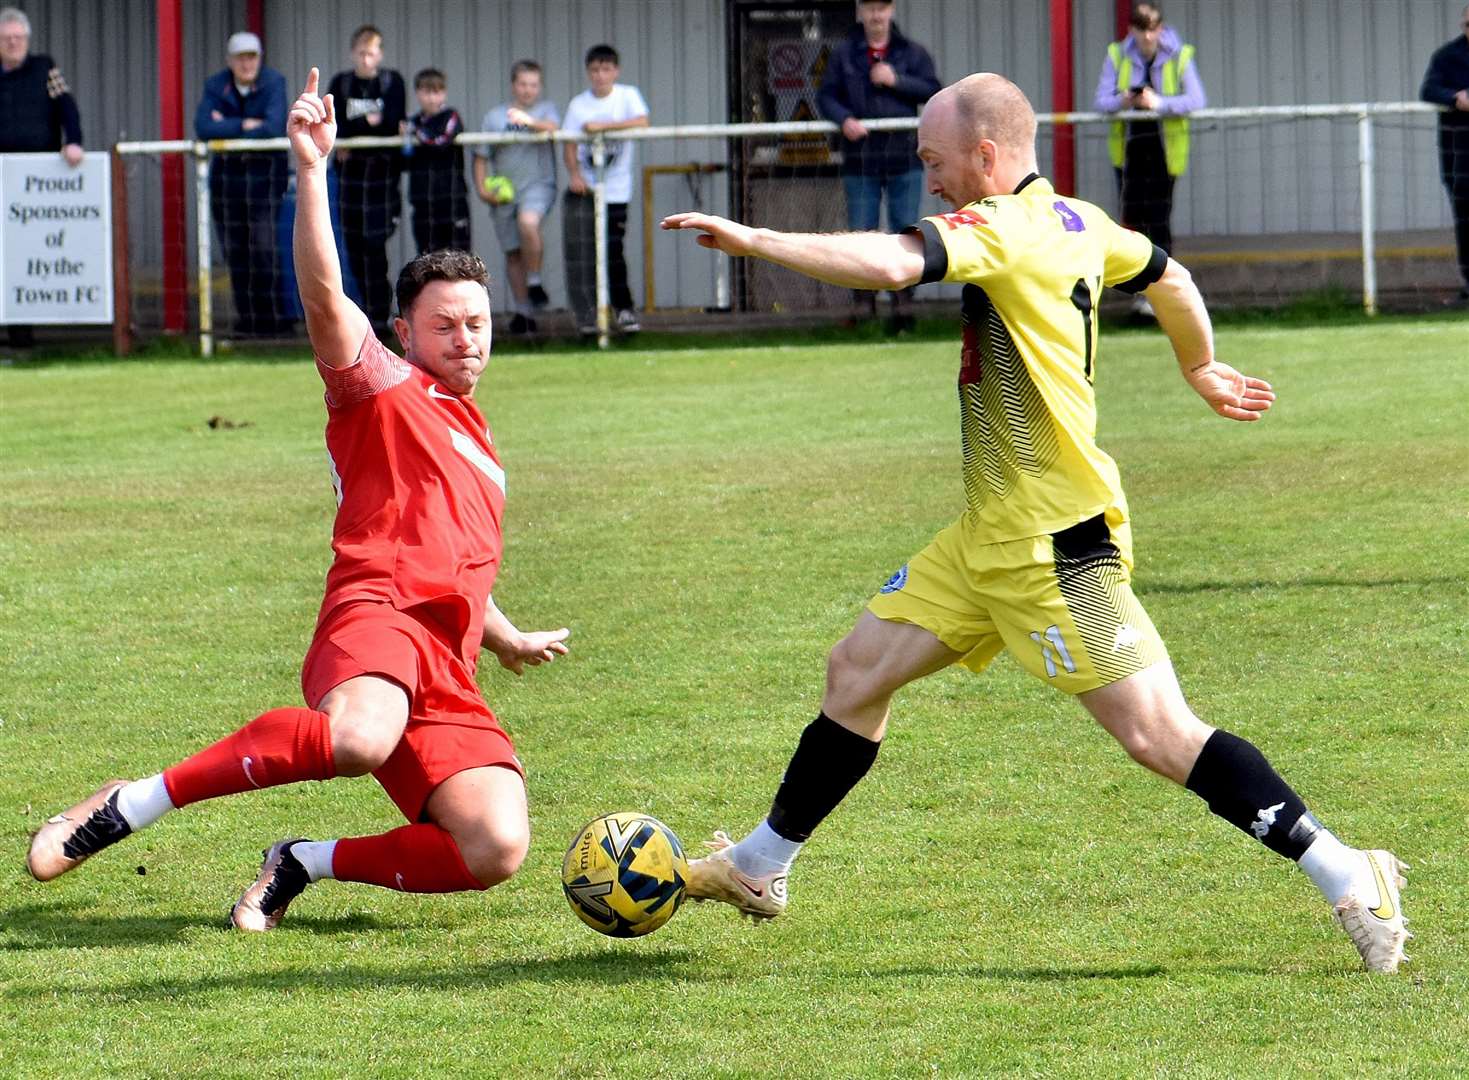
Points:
(531, 170)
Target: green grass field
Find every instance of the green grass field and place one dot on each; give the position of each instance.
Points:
(1006, 894)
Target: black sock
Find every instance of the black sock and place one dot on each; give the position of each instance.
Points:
(1239, 785)
(828, 762)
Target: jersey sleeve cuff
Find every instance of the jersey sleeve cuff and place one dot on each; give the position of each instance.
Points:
(935, 255)
(1147, 275)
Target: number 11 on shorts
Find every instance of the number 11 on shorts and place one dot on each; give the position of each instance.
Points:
(1052, 639)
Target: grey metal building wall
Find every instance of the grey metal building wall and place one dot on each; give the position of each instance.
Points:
(1269, 178)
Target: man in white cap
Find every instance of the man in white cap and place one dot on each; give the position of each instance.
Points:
(248, 101)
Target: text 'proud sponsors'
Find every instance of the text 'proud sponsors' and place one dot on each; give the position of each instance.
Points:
(57, 239)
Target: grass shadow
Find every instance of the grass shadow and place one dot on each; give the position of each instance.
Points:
(64, 924)
(606, 969)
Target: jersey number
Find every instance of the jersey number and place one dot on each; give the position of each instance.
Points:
(1052, 645)
(1082, 298)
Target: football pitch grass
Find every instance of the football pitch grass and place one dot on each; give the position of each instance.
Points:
(1005, 894)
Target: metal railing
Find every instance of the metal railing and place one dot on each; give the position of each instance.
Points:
(1364, 114)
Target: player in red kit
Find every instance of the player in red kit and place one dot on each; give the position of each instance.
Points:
(389, 675)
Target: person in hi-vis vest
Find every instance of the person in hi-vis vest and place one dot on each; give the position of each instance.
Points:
(1153, 69)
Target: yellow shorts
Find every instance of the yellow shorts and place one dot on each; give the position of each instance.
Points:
(1063, 604)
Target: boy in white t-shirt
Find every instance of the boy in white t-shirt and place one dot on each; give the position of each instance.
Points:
(606, 106)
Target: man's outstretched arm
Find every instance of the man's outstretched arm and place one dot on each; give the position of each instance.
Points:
(336, 326)
(855, 260)
(1184, 318)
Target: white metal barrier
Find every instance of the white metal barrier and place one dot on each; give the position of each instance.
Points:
(1364, 113)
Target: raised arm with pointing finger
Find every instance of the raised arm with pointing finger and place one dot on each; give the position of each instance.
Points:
(335, 324)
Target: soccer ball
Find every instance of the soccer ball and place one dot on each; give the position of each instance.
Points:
(499, 187)
(624, 874)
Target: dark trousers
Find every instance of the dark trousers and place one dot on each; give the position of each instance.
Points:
(1146, 188)
(439, 225)
(246, 231)
(440, 204)
(1453, 151)
(370, 203)
(579, 249)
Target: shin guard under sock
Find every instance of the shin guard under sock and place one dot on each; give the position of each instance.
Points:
(1233, 777)
(828, 762)
(415, 858)
(278, 747)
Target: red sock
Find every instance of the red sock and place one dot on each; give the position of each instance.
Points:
(278, 747)
(414, 858)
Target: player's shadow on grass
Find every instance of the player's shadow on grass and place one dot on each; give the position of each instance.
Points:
(603, 969)
(64, 924)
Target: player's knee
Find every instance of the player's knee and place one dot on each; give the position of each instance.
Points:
(493, 850)
(853, 674)
(362, 742)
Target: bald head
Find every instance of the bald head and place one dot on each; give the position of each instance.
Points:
(977, 138)
(990, 106)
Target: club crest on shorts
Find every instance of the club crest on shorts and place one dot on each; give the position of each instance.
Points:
(897, 581)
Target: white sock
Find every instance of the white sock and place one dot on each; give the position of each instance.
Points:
(316, 857)
(765, 851)
(143, 802)
(1333, 866)
(532, 279)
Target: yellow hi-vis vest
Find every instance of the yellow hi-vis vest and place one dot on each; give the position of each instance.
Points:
(1175, 128)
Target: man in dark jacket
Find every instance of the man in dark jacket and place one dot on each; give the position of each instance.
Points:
(1447, 83)
(37, 111)
(247, 101)
(875, 74)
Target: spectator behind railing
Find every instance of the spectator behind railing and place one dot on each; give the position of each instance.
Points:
(606, 105)
(37, 111)
(530, 171)
(1150, 69)
(436, 168)
(877, 73)
(1447, 83)
(370, 100)
(247, 100)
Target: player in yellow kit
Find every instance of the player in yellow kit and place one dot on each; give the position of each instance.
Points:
(1040, 561)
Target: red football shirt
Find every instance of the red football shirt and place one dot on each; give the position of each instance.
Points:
(420, 496)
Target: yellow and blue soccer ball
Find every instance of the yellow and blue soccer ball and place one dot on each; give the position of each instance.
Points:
(624, 874)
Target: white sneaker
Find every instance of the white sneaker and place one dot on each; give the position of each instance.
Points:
(1378, 930)
(1140, 306)
(714, 877)
(627, 321)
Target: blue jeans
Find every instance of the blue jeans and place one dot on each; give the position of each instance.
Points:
(864, 199)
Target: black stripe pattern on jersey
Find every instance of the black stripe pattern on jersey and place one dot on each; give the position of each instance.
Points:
(1115, 631)
(1007, 429)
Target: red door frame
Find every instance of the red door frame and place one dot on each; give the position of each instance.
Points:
(1063, 97)
(171, 126)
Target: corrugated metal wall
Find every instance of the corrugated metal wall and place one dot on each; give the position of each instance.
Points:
(1262, 178)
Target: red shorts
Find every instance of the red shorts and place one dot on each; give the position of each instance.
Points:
(450, 728)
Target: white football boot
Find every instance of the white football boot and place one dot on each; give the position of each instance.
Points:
(1373, 917)
(714, 877)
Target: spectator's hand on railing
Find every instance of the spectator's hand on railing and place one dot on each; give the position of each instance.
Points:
(719, 233)
(312, 124)
(1461, 101)
(72, 153)
(855, 130)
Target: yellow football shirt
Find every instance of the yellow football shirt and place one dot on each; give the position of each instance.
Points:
(1033, 265)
